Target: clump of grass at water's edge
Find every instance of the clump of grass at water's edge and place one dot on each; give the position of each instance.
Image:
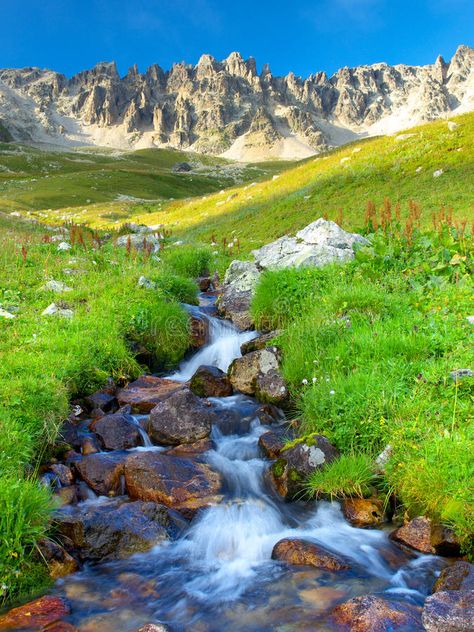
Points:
(47, 361)
(368, 349)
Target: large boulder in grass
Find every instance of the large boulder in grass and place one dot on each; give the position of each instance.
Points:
(117, 432)
(114, 529)
(179, 483)
(304, 553)
(146, 392)
(181, 418)
(449, 611)
(295, 464)
(318, 244)
(258, 373)
(373, 613)
(209, 381)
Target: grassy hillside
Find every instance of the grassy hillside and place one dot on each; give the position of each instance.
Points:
(339, 184)
(33, 179)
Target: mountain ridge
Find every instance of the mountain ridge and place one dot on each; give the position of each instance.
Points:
(227, 108)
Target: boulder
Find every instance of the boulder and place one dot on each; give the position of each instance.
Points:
(178, 483)
(117, 432)
(363, 512)
(290, 471)
(257, 373)
(146, 392)
(260, 342)
(35, 615)
(180, 418)
(301, 552)
(114, 529)
(139, 242)
(372, 613)
(209, 381)
(449, 611)
(102, 472)
(60, 563)
(416, 534)
(318, 244)
(458, 576)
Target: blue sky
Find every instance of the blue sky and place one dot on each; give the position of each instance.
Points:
(303, 36)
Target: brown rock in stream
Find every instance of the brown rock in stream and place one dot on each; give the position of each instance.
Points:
(363, 512)
(303, 553)
(146, 392)
(199, 331)
(415, 534)
(102, 472)
(181, 418)
(209, 381)
(459, 576)
(60, 563)
(117, 432)
(35, 615)
(273, 441)
(371, 613)
(179, 483)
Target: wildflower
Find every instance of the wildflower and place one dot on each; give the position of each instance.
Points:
(315, 380)
(315, 362)
(332, 392)
(327, 379)
(305, 381)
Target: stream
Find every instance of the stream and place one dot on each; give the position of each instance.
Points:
(218, 574)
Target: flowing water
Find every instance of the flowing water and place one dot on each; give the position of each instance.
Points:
(218, 575)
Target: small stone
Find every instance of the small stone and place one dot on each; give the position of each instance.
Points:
(303, 553)
(209, 381)
(154, 627)
(452, 126)
(5, 314)
(438, 173)
(461, 374)
(63, 246)
(204, 283)
(54, 310)
(259, 342)
(56, 286)
(470, 320)
(60, 563)
(383, 458)
(146, 283)
(63, 473)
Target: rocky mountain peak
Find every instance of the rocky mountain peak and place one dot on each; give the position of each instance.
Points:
(227, 107)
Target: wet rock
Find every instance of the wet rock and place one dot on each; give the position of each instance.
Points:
(444, 541)
(190, 449)
(199, 331)
(363, 512)
(103, 400)
(65, 496)
(295, 464)
(459, 576)
(257, 373)
(209, 381)
(114, 529)
(273, 441)
(179, 483)
(117, 432)
(204, 283)
(63, 473)
(60, 563)
(449, 611)
(154, 627)
(303, 553)
(102, 472)
(416, 534)
(269, 414)
(90, 445)
(180, 418)
(61, 626)
(371, 613)
(35, 615)
(260, 342)
(146, 392)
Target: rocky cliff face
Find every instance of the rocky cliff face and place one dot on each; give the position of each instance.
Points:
(228, 107)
